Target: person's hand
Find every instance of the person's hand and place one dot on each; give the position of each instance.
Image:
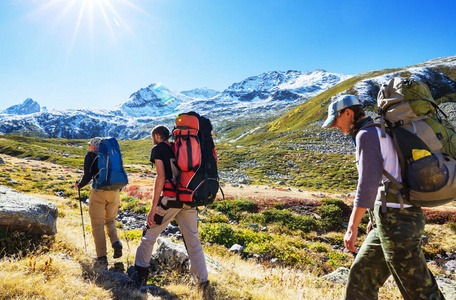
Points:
(150, 216)
(369, 226)
(350, 238)
(76, 185)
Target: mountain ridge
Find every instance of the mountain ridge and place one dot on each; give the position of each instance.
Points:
(260, 96)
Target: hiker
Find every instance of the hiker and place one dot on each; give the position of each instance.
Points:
(103, 207)
(164, 209)
(393, 243)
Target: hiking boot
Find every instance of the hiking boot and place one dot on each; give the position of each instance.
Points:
(117, 246)
(205, 288)
(101, 262)
(140, 276)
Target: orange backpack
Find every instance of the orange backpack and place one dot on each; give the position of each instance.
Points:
(196, 160)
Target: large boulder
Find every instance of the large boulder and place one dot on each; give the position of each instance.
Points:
(174, 256)
(23, 212)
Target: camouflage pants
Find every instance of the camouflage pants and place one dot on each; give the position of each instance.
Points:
(393, 247)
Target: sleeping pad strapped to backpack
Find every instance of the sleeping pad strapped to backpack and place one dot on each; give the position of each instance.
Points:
(111, 174)
(196, 160)
(424, 141)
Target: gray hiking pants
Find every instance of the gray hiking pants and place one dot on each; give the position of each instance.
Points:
(187, 219)
(393, 247)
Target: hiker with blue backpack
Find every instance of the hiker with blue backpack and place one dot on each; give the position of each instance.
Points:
(393, 243)
(103, 165)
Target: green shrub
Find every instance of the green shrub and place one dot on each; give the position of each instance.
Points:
(234, 208)
(283, 217)
(217, 218)
(286, 218)
(304, 223)
(226, 235)
(222, 234)
(331, 217)
(319, 247)
(288, 250)
(452, 226)
(346, 210)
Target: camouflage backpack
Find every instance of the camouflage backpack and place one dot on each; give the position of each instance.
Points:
(424, 140)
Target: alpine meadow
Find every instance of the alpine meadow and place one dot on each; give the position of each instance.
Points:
(277, 232)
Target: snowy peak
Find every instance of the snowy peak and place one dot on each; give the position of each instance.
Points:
(290, 83)
(154, 100)
(201, 93)
(27, 107)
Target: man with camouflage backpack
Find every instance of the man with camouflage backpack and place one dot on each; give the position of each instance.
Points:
(393, 244)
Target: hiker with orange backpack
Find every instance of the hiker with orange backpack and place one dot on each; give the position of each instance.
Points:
(393, 244)
(165, 208)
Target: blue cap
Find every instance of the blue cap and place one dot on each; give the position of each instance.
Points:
(338, 104)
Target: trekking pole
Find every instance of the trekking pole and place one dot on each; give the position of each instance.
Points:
(82, 218)
(128, 244)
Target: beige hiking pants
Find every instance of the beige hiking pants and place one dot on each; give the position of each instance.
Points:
(187, 219)
(103, 209)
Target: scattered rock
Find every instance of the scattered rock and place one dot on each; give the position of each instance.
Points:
(254, 227)
(2, 162)
(424, 239)
(447, 286)
(26, 213)
(236, 248)
(275, 261)
(338, 276)
(451, 266)
(174, 256)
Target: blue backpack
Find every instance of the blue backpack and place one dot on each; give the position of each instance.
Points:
(111, 174)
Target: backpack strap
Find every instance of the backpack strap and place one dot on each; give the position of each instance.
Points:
(385, 188)
(170, 187)
(402, 190)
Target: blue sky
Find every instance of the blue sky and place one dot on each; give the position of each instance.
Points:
(96, 53)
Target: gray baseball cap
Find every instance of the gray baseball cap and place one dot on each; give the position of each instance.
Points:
(338, 104)
(95, 142)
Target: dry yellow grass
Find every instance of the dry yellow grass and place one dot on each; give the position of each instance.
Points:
(65, 272)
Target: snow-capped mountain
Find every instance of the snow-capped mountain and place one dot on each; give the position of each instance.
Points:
(439, 85)
(255, 98)
(201, 93)
(291, 83)
(154, 101)
(27, 107)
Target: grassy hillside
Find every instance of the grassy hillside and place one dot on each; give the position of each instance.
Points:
(58, 267)
(316, 108)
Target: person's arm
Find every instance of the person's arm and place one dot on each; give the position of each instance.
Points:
(158, 188)
(88, 175)
(370, 168)
(352, 230)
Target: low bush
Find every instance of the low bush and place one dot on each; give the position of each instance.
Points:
(286, 218)
(226, 235)
(452, 226)
(331, 217)
(234, 208)
(438, 216)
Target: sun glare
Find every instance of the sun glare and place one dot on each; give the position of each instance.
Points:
(88, 19)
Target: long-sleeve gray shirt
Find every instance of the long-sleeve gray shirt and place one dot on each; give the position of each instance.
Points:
(369, 161)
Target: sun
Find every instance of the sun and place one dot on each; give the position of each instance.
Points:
(87, 19)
